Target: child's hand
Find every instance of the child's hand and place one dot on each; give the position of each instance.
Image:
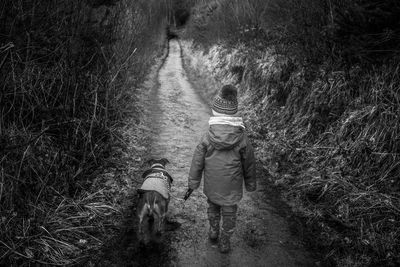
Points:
(188, 193)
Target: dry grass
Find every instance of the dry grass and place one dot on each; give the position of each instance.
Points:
(313, 31)
(320, 92)
(57, 232)
(333, 151)
(69, 74)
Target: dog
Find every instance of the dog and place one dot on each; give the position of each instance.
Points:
(154, 196)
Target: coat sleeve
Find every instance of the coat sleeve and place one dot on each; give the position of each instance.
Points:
(197, 166)
(249, 166)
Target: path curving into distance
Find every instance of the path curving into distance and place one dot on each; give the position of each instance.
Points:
(262, 238)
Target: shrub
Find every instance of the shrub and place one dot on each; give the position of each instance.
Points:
(69, 70)
(319, 82)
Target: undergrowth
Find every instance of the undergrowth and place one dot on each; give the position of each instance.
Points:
(319, 89)
(70, 72)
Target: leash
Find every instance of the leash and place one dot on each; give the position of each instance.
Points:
(182, 201)
(187, 195)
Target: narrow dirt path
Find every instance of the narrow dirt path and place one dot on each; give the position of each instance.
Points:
(262, 238)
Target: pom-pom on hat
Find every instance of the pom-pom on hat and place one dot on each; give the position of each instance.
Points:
(226, 100)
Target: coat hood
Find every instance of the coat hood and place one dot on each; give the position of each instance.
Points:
(225, 132)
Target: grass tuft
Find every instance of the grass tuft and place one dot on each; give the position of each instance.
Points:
(70, 72)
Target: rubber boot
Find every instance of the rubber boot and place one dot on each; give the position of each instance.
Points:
(214, 218)
(228, 226)
(214, 229)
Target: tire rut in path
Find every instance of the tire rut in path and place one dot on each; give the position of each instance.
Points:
(262, 237)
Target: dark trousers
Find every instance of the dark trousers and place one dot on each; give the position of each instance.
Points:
(228, 214)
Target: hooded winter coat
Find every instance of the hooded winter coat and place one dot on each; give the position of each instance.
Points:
(226, 158)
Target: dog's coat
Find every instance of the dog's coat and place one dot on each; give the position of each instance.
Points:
(157, 180)
(153, 200)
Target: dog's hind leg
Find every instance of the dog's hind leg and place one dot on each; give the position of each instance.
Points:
(160, 210)
(161, 224)
(142, 214)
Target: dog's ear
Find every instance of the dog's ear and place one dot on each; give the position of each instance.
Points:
(150, 162)
(164, 161)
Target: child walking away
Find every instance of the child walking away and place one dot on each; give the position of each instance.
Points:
(226, 158)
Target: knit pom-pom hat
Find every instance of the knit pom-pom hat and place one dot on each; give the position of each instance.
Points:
(226, 100)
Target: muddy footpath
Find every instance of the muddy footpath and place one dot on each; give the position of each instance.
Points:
(176, 117)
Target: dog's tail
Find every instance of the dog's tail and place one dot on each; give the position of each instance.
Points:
(150, 201)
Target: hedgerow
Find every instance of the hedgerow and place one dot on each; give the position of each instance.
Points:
(319, 89)
(70, 72)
